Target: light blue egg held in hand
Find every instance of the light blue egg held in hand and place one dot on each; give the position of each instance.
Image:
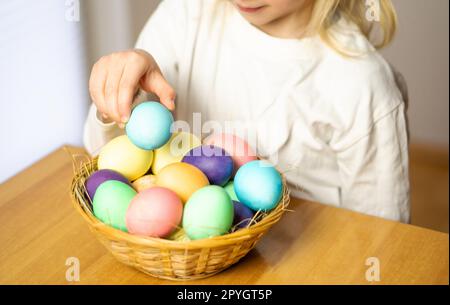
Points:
(149, 125)
(258, 185)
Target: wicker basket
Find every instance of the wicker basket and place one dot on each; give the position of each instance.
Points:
(170, 259)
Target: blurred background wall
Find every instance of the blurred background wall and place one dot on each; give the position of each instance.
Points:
(46, 55)
(420, 52)
(113, 25)
(43, 69)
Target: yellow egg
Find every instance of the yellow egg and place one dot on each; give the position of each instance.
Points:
(145, 182)
(182, 178)
(174, 150)
(121, 155)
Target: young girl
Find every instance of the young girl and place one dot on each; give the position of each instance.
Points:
(301, 75)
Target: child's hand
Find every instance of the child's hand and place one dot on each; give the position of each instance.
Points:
(115, 79)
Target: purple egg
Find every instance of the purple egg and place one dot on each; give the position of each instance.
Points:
(100, 176)
(213, 161)
(242, 214)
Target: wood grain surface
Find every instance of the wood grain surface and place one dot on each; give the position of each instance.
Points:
(313, 244)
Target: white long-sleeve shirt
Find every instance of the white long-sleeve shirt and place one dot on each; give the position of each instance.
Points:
(334, 125)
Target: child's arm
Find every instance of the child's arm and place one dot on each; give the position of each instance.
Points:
(374, 170)
(115, 78)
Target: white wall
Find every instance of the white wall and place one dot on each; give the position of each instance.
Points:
(113, 25)
(45, 60)
(420, 51)
(43, 95)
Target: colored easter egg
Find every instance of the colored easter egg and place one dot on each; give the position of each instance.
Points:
(208, 213)
(122, 156)
(213, 161)
(229, 188)
(154, 212)
(174, 150)
(149, 125)
(182, 178)
(258, 185)
(242, 215)
(100, 176)
(239, 150)
(111, 201)
(144, 182)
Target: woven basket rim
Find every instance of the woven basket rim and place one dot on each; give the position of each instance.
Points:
(230, 238)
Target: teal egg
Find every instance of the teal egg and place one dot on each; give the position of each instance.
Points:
(111, 201)
(258, 185)
(149, 125)
(208, 212)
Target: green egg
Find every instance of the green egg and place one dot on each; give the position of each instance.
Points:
(111, 202)
(208, 212)
(229, 187)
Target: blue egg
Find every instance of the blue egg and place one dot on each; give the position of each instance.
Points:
(258, 185)
(149, 125)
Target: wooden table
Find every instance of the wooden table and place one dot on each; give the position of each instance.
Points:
(314, 243)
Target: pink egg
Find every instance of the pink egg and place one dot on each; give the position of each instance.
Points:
(154, 212)
(236, 147)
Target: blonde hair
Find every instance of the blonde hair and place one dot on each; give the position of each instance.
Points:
(325, 13)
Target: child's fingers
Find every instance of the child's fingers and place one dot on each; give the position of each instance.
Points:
(115, 78)
(127, 88)
(112, 90)
(97, 86)
(156, 83)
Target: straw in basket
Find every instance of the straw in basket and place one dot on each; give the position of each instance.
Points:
(173, 259)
